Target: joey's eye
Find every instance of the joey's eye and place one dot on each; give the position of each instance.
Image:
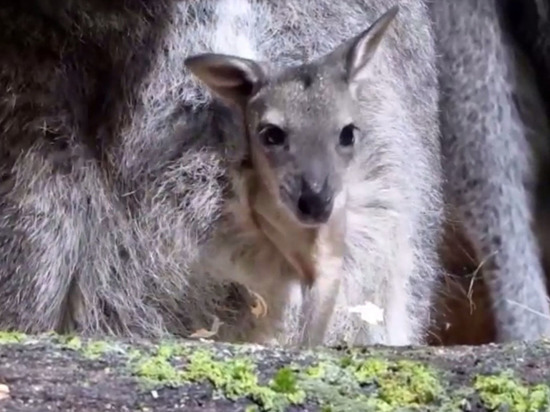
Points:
(272, 135)
(347, 135)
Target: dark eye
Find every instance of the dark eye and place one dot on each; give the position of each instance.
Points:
(272, 135)
(347, 136)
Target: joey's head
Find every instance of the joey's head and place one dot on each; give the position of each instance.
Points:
(301, 122)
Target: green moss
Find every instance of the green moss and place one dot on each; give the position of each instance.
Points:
(69, 341)
(11, 337)
(92, 349)
(73, 342)
(157, 369)
(372, 384)
(316, 371)
(237, 378)
(284, 381)
(336, 389)
(504, 390)
(369, 369)
(95, 349)
(134, 354)
(400, 383)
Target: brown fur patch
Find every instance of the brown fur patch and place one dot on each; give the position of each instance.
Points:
(463, 307)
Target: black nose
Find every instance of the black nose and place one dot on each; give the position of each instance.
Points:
(315, 205)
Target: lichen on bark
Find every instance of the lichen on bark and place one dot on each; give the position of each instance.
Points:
(69, 372)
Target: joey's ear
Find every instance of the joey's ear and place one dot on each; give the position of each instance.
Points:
(362, 47)
(233, 78)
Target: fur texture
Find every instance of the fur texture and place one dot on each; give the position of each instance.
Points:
(494, 140)
(116, 183)
(529, 23)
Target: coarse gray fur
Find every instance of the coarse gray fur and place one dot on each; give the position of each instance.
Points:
(116, 165)
(494, 140)
(528, 21)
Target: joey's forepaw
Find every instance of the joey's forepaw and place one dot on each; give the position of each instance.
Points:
(259, 308)
(207, 334)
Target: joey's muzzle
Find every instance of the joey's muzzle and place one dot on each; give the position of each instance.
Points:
(315, 203)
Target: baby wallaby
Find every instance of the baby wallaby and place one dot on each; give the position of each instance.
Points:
(303, 126)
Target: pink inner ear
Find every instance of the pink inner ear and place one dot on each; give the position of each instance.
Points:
(360, 54)
(227, 76)
(361, 50)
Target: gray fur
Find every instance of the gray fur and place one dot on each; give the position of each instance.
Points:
(529, 23)
(494, 138)
(116, 167)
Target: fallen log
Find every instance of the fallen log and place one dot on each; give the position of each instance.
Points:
(52, 372)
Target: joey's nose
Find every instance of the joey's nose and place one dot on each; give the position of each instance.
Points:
(315, 202)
